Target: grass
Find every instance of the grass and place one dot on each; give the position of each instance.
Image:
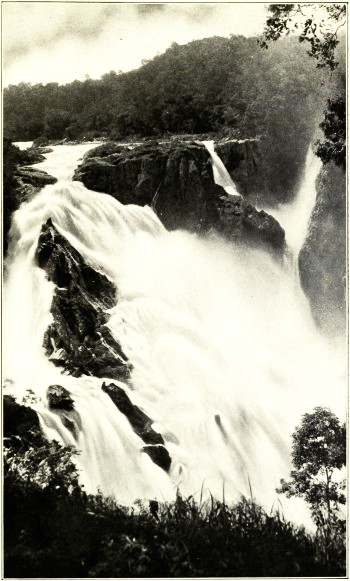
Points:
(53, 529)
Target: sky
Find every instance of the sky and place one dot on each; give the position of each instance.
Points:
(46, 42)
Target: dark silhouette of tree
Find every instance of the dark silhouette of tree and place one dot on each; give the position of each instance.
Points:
(319, 448)
(319, 25)
(333, 148)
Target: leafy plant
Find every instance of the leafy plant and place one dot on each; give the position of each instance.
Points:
(319, 449)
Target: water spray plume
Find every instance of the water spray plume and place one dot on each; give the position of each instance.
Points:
(225, 354)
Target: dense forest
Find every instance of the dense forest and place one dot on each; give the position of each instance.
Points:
(199, 87)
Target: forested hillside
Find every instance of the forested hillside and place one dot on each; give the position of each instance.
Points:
(220, 84)
(199, 87)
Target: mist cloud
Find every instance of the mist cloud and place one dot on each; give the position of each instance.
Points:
(60, 42)
(44, 26)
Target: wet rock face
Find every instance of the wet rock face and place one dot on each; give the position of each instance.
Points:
(141, 424)
(322, 260)
(78, 340)
(131, 176)
(35, 177)
(242, 159)
(239, 221)
(59, 398)
(176, 179)
(185, 197)
(20, 183)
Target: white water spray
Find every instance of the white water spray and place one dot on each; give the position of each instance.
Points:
(294, 216)
(221, 176)
(226, 357)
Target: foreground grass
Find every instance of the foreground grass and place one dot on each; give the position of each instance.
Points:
(54, 529)
(75, 535)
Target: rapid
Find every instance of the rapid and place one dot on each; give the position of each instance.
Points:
(226, 356)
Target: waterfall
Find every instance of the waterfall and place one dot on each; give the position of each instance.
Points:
(225, 354)
(294, 216)
(220, 173)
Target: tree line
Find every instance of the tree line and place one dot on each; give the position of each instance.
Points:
(199, 87)
(226, 85)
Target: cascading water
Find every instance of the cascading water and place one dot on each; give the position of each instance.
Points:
(226, 357)
(294, 217)
(220, 173)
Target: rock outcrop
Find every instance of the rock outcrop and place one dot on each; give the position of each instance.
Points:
(34, 177)
(240, 221)
(78, 340)
(322, 260)
(242, 159)
(141, 424)
(176, 179)
(61, 403)
(59, 398)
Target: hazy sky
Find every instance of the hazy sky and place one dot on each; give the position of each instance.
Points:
(52, 41)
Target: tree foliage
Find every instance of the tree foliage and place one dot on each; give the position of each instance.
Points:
(319, 26)
(319, 448)
(333, 147)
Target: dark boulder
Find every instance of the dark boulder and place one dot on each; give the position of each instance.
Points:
(31, 156)
(141, 424)
(240, 221)
(61, 402)
(159, 455)
(59, 398)
(322, 260)
(35, 177)
(78, 339)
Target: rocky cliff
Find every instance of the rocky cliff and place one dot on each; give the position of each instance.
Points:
(78, 339)
(322, 260)
(176, 179)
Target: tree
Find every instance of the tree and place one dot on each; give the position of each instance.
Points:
(318, 25)
(333, 148)
(319, 448)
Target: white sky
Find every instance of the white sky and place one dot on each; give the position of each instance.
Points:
(52, 41)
